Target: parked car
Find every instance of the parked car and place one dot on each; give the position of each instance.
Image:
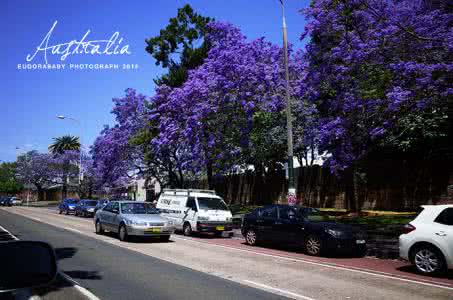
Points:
(67, 206)
(196, 211)
(101, 204)
(16, 201)
(85, 208)
(133, 218)
(6, 201)
(302, 226)
(427, 241)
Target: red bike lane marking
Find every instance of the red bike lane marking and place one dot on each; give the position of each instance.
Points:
(376, 266)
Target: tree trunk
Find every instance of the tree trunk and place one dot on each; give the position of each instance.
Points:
(209, 174)
(356, 186)
(40, 192)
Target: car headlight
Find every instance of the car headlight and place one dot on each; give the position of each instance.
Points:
(170, 223)
(203, 218)
(136, 223)
(334, 233)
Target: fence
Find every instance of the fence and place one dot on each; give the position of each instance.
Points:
(387, 185)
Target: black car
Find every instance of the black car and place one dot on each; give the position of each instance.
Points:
(101, 204)
(303, 226)
(85, 208)
(6, 201)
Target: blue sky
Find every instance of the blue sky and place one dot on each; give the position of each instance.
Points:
(31, 99)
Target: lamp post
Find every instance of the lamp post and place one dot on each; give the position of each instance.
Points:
(289, 123)
(28, 181)
(62, 117)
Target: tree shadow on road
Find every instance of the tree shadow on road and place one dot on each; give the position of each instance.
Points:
(61, 287)
(139, 239)
(66, 252)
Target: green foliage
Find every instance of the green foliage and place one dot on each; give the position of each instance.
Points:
(183, 35)
(268, 137)
(8, 182)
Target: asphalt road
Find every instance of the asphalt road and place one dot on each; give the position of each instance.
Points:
(112, 272)
(281, 272)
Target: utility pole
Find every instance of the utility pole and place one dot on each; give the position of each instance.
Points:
(289, 122)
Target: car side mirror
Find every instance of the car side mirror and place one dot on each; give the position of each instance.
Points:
(26, 264)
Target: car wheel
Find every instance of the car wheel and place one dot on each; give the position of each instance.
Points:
(362, 252)
(66, 212)
(313, 245)
(428, 260)
(187, 229)
(251, 237)
(99, 229)
(164, 238)
(60, 211)
(123, 233)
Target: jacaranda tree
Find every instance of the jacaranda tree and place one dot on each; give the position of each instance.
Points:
(380, 74)
(229, 113)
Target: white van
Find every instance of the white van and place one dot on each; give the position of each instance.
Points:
(196, 211)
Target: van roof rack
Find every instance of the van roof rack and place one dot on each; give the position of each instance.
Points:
(187, 191)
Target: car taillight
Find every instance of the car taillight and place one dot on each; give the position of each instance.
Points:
(408, 228)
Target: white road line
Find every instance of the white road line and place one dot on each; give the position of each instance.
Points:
(280, 291)
(36, 219)
(72, 229)
(76, 285)
(343, 268)
(80, 288)
(356, 270)
(14, 237)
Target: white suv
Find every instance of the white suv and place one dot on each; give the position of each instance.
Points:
(427, 241)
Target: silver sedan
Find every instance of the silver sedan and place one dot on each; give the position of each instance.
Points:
(133, 218)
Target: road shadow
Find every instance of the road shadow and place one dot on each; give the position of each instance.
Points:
(62, 287)
(208, 236)
(66, 252)
(410, 269)
(77, 274)
(300, 250)
(139, 239)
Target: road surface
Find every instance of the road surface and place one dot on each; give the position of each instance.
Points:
(184, 267)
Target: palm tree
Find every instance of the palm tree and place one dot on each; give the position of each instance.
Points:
(59, 147)
(64, 143)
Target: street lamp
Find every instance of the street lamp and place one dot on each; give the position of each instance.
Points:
(289, 124)
(62, 117)
(28, 181)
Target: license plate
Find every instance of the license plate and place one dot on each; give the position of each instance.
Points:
(360, 241)
(220, 228)
(153, 230)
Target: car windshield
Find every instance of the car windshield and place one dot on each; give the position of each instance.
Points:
(91, 203)
(71, 201)
(138, 208)
(314, 215)
(211, 203)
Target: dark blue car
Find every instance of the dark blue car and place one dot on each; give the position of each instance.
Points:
(67, 206)
(85, 208)
(6, 201)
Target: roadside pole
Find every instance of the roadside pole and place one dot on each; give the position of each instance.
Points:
(291, 197)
